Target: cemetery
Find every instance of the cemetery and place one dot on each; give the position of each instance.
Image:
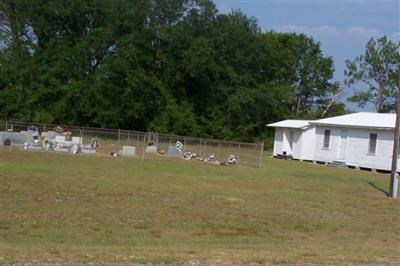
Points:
(141, 145)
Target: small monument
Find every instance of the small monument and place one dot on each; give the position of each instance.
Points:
(128, 151)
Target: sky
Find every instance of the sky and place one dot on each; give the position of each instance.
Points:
(342, 27)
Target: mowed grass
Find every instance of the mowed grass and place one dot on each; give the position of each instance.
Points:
(65, 208)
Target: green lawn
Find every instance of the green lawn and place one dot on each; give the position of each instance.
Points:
(64, 208)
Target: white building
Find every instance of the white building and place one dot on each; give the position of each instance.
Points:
(357, 140)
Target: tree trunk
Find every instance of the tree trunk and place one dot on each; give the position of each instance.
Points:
(298, 103)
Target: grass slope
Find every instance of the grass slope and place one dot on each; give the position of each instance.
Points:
(64, 208)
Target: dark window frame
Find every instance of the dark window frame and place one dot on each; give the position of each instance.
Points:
(372, 143)
(327, 139)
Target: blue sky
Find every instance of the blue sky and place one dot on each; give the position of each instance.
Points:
(342, 27)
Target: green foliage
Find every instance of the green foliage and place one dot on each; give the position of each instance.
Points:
(170, 66)
(176, 119)
(377, 69)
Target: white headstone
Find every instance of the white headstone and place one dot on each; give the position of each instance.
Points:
(49, 134)
(173, 151)
(77, 140)
(128, 151)
(60, 138)
(151, 149)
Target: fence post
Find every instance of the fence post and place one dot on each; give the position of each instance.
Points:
(238, 157)
(184, 143)
(83, 135)
(201, 147)
(127, 139)
(205, 148)
(12, 137)
(6, 126)
(144, 146)
(261, 155)
(219, 149)
(119, 135)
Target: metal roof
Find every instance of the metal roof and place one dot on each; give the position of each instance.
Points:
(356, 120)
(362, 119)
(291, 124)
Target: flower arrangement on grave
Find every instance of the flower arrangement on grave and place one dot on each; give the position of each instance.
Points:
(26, 145)
(179, 146)
(231, 160)
(75, 148)
(59, 130)
(94, 142)
(61, 146)
(86, 147)
(32, 128)
(48, 144)
(68, 135)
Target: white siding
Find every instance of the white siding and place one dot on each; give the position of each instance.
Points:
(278, 141)
(297, 140)
(356, 153)
(308, 144)
(281, 142)
(326, 154)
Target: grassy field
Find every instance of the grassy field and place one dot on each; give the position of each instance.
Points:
(64, 208)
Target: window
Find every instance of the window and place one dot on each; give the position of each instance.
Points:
(373, 137)
(327, 138)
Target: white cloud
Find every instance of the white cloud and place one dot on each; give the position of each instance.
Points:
(321, 30)
(224, 9)
(331, 32)
(361, 32)
(396, 36)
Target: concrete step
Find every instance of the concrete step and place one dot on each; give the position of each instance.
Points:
(337, 164)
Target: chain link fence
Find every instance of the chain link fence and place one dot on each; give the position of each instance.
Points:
(118, 142)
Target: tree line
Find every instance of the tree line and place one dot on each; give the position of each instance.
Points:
(171, 66)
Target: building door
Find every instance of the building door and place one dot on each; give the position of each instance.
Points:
(342, 144)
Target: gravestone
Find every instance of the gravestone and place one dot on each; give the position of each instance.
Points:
(151, 149)
(60, 139)
(173, 151)
(18, 138)
(3, 136)
(75, 149)
(49, 134)
(77, 140)
(61, 148)
(128, 151)
(32, 147)
(31, 136)
(88, 151)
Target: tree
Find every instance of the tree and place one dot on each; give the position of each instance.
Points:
(175, 66)
(312, 73)
(376, 69)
